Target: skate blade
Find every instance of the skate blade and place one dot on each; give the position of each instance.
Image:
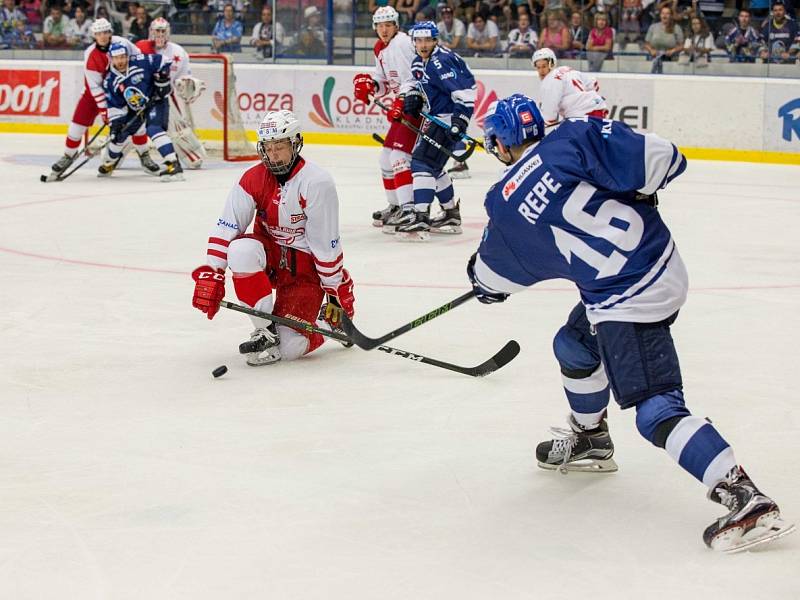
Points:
(412, 236)
(151, 173)
(447, 230)
(460, 175)
(768, 528)
(171, 178)
(389, 229)
(377, 223)
(583, 466)
(254, 360)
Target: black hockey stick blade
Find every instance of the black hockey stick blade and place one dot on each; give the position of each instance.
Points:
(368, 343)
(378, 139)
(503, 356)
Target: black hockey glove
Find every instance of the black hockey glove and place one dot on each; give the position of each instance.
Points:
(651, 199)
(162, 86)
(413, 103)
(483, 295)
(116, 129)
(458, 127)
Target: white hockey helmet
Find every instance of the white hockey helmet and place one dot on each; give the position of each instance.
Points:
(101, 25)
(385, 14)
(544, 54)
(160, 25)
(275, 126)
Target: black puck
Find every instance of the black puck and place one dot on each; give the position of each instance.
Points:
(219, 371)
(43, 178)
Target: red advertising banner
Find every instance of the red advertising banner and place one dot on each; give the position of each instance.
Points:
(30, 92)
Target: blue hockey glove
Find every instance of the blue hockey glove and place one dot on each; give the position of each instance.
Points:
(484, 296)
(458, 127)
(413, 103)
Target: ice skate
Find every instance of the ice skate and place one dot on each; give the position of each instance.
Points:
(63, 163)
(415, 229)
(263, 347)
(754, 518)
(449, 221)
(149, 166)
(578, 449)
(108, 166)
(459, 171)
(172, 171)
(380, 217)
(402, 216)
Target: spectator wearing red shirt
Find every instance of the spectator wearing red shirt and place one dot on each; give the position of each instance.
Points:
(600, 42)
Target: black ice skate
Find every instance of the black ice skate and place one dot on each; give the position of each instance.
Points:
(172, 171)
(148, 164)
(402, 216)
(63, 163)
(380, 217)
(449, 221)
(754, 518)
(459, 171)
(416, 228)
(108, 166)
(578, 449)
(263, 346)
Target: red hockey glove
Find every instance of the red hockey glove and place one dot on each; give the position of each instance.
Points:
(209, 289)
(104, 115)
(340, 299)
(396, 111)
(363, 87)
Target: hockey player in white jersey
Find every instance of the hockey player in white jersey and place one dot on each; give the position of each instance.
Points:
(394, 53)
(292, 259)
(578, 205)
(566, 93)
(185, 90)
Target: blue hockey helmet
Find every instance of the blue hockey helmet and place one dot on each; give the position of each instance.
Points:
(424, 29)
(118, 49)
(514, 121)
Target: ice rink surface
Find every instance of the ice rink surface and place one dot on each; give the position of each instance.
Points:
(128, 472)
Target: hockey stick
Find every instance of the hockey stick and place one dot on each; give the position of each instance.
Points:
(378, 139)
(368, 343)
(504, 356)
(461, 158)
(441, 123)
(85, 150)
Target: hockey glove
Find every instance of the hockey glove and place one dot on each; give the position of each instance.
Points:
(458, 127)
(104, 115)
(163, 88)
(363, 87)
(116, 129)
(340, 299)
(209, 289)
(482, 294)
(651, 199)
(413, 103)
(396, 111)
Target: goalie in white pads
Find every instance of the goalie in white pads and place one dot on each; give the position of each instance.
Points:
(294, 247)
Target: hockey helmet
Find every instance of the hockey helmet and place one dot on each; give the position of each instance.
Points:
(276, 126)
(118, 49)
(514, 121)
(385, 14)
(101, 25)
(160, 25)
(544, 54)
(424, 29)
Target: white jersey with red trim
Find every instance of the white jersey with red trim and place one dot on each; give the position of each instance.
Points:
(302, 214)
(393, 65)
(172, 53)
(95, 68)
(569, 94)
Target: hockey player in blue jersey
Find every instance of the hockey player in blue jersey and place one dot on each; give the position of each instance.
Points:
(137, 89)
(578, 205)
(446, 84)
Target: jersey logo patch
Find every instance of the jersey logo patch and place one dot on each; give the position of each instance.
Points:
(512, 184)
(526, 117)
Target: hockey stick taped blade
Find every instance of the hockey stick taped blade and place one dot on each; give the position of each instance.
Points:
(504, 356)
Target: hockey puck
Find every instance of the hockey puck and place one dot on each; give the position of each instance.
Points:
(43, 178)
(219, 371)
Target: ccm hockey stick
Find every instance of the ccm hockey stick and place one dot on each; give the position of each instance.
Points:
(500, 359)
(378, 139)
(464, 137)
(460, 158)
(368, 343)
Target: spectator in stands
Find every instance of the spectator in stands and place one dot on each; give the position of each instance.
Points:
(408, 10)
(314, 23)
(451, 30)
(9, 15)
(578, 33)
(140, 27)
(482, 37)
(556, 35)
(523, 40)
(498, 11)
(698, 45)
(239, 6)
(128, 19)
(743, 41)
(630, 21)
(465, 9)
(309, 45)
(227, 34)
(778, 33)
(101, 12)
(55, 28)
(600, 42)
(32, 9)
(79, 33)
(664, 40)
(262, 38)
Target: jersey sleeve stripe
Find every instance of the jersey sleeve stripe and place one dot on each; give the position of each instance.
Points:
(217, 253)
(332, 263)
(492, 281)
(219, 241)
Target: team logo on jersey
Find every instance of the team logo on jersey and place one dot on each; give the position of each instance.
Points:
(526, 117)
(137, 79)
(512, 184)
(297, 218)
(134, 98)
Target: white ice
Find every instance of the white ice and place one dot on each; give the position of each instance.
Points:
(128, 472)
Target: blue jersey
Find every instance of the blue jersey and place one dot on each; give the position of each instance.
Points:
(447, 83)
(567, 209)
(134, 88)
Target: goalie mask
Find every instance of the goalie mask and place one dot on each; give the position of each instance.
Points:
(159, 32)
(279, 141)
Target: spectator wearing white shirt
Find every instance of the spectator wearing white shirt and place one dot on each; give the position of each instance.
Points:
(523, 40)
(262, 39)
(698, 45)
(79, 32)
(482, 36)
(451, 30)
